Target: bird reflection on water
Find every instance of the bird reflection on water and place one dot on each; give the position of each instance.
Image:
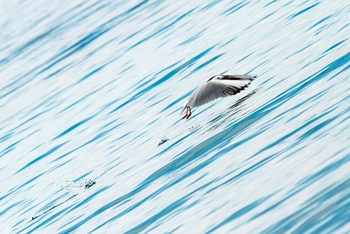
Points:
(236, 110)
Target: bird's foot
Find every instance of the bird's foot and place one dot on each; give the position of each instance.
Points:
(188, 113)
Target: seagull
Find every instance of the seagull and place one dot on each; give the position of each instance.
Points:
(216, 87)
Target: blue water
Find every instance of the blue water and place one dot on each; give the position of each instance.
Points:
(91, 140)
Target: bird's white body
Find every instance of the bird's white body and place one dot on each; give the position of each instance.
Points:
(216, 87)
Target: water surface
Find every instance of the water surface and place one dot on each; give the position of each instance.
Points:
(88, 90)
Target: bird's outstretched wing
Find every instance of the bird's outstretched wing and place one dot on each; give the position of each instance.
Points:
(215, 88)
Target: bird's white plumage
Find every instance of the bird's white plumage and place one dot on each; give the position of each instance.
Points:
(218, 86)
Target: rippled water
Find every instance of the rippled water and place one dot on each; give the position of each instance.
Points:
(89, 89)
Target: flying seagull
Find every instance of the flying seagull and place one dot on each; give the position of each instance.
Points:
(216, 87)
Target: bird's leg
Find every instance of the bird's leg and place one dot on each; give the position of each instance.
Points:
(187, 115)
(184, 117)
(189, 112)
